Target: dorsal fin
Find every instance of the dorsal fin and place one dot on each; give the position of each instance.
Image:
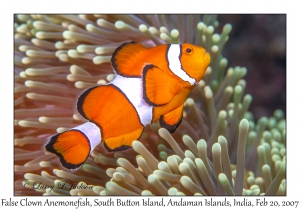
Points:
(159, 87)
(127, 60)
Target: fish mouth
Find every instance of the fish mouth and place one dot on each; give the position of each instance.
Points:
(206, 56)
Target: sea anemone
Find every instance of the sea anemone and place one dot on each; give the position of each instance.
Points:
(218, 149)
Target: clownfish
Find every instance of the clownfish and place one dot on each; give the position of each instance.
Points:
(149, 85)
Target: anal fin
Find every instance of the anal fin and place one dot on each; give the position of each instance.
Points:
(171, 120)
(122, 142)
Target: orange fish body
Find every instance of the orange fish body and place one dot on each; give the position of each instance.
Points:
(150, 85)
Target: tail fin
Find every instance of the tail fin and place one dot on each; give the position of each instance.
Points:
(74, 146)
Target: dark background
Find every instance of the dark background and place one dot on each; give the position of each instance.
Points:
(258, 42)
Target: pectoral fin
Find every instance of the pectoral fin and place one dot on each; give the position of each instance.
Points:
(159, 87)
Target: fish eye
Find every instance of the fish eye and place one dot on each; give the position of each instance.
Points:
(188, 49)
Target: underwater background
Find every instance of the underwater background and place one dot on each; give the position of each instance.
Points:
(232, 139)
(258, 42)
